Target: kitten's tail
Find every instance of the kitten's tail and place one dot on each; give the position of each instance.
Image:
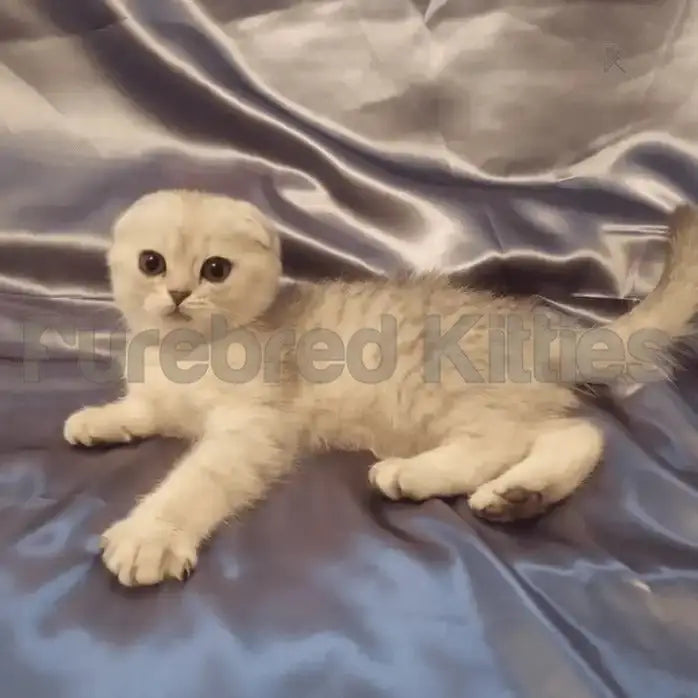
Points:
(655, 326)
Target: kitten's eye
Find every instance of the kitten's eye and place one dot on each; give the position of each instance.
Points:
(151, 263)
(216, 269)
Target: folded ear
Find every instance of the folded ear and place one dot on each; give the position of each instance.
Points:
(260, 227)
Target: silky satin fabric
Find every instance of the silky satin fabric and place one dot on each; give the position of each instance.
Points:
(528, 147)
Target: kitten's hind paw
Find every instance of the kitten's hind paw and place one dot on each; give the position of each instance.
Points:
(512, 504)
(419, 478)
(400, 478)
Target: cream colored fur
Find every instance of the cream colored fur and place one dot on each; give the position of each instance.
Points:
(513, 448)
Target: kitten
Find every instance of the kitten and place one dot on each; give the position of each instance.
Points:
(268, 371)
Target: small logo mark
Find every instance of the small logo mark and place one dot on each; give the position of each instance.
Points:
(613, 56)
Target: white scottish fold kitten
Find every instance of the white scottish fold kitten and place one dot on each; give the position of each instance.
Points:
(296, 370)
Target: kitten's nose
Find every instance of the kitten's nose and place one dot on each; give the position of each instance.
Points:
(179, 296)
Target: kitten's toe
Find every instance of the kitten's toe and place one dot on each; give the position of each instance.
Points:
(141, 551)
(510, 504)
(91, 426)
(401, 478)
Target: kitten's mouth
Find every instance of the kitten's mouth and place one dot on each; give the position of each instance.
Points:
(177, 314)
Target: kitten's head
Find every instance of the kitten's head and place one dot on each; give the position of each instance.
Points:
(179, 258)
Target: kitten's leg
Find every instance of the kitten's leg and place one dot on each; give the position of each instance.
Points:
(457, 467)
(116, 422)
(231, 467)
(563, 455)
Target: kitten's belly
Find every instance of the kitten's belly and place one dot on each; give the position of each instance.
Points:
(364, 417)
(347, 431)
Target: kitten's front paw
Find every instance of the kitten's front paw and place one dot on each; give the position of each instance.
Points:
(93, 425)
(141, 551)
